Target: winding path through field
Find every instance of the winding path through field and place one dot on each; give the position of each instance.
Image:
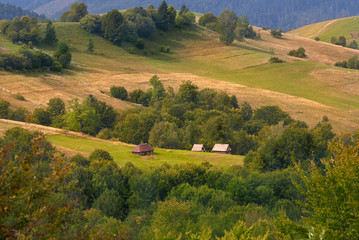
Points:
(324, 28)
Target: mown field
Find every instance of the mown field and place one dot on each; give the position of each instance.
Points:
(122, 153)
(299, 87)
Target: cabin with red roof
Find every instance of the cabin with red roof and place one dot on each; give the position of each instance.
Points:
(143, 149)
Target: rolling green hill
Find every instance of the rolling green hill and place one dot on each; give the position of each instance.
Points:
(325, 30)
(302, 88)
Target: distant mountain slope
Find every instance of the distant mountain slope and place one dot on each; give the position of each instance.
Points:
(9, 12)
(283, 14)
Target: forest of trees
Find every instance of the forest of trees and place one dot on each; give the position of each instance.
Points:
(276, 14)
(46, 195)
(9, 12)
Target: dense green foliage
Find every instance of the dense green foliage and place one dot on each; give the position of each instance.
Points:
(136, 23)
(8, 12)
(23, 30)
(76, 12)
(27, 59)
(63, 55)
(50, 34)
(92, 198)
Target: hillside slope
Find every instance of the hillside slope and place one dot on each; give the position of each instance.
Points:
(347, 27)
(307, 89)
(275, 13)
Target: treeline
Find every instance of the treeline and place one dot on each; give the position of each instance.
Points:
(136, 23)
(93, 198)
(275, 14)
(8, 12)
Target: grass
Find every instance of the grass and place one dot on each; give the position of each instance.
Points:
(343, 27)
(122, 153)
(193, 51)
(5, 43)
(325, 31)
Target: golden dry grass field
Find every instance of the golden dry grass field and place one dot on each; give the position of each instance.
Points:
(306, 88)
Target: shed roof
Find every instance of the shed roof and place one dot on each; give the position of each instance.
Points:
(197, 148)
(142, 148)
(221, 148)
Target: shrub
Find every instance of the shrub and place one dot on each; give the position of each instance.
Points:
(18, 96)
(316, 38)
(105, 133)
(163, 49)
(275, 60)
(131, 50)
(300, 53)
(265, 28)
(341, 64)
(353, 45)
(119, 92)
(276, 33)
(140, 44)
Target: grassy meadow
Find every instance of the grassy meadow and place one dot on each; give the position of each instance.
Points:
(195, 54)
(326, 30)
(122, 153)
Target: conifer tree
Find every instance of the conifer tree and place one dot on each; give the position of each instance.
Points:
(50, 34)
(162, 17)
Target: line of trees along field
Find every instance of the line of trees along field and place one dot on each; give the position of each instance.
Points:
(275, 14)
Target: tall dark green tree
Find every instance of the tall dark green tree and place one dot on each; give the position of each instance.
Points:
(50, 34)
(63, 54)
(227, 23)
(184, 9)
(114, 27)
(162, 21)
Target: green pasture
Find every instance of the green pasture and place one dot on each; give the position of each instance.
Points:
(239, 64)
(5, 43)
(122, 153)
(342, 27)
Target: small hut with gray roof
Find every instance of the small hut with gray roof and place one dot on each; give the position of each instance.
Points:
(198, 148)
(143, 149)
(222, 148)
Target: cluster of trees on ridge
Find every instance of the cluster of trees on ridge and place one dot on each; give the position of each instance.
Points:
(133, 24)
(275, 14)
(26, 31)
(45, 195)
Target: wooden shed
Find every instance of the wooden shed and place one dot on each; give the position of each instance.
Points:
(222, 148)
(143, 149)
(198, 148)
